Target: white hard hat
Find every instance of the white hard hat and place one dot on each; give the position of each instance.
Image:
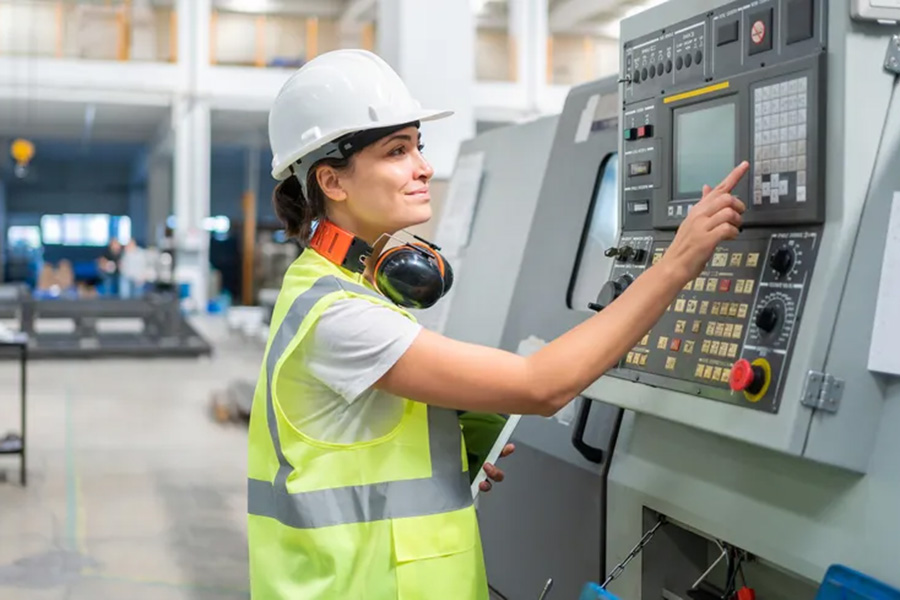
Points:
(335, 94)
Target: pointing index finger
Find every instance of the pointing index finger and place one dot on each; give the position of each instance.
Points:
(734, 177)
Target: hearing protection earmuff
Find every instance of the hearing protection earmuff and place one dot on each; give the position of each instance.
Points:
(412, 275)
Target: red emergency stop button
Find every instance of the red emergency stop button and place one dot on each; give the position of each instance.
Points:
(746, 377)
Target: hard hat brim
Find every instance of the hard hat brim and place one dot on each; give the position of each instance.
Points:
(281, 170)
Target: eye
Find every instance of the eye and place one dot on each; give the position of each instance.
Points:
(398, 151)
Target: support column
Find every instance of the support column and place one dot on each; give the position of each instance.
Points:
(432, 46)
(538, 46)
(518, 11)
(191, 173)
(249, 232)
(159, 194)
(192, 197)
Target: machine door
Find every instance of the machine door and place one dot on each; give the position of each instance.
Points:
(546, 519)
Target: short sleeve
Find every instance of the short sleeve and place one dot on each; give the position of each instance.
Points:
(355, 342)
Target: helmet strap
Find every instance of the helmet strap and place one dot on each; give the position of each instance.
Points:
(342, 148)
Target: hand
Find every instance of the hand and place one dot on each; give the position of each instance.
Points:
(493, 472)
(717, 217)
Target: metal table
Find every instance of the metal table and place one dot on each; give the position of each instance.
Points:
(20, 341)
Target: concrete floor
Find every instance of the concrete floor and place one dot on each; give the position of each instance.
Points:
(134, 491)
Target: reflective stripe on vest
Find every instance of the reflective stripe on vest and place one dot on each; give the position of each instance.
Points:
(446, 490)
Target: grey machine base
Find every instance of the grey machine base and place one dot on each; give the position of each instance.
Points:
(152, 326)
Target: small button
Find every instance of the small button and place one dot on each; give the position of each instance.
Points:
(659, 68)
(698, 57)
(679, 62)
(675, 346)
(637, 76)
(630, 134)
(724, 285)
(688, 59)
(644, 73)
(644, 131)
(652, 71)
(669, 65)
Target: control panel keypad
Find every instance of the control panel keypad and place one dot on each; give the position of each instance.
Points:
(780, 142)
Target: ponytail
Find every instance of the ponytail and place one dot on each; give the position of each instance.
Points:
(298, 212)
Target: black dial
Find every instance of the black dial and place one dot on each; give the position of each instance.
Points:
(767, 319)
(782, 260)
(611, 290)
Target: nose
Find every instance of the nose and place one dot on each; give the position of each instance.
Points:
(424, 170)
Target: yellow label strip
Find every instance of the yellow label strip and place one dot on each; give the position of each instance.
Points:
(698, 92)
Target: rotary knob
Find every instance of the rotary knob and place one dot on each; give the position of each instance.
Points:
(782, 260)
(767, 319)
(611, 290)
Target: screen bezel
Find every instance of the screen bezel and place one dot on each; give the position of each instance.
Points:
(732, 99)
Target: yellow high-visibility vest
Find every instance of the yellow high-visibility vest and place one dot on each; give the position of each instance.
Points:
(385, 519)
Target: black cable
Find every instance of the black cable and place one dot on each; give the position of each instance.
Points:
(732, 573)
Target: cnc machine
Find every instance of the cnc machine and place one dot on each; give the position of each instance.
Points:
(753, 420)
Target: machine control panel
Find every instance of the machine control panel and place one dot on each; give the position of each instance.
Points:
(726, 335)
(745, 81)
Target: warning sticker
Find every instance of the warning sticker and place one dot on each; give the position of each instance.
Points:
(758, 32)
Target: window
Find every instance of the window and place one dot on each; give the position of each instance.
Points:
(84, 230)
(601, 232)
(23, 236)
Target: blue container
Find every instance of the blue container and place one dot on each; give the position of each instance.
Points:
(592, 591)
(842, 583)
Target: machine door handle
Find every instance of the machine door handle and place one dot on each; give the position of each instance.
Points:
(595, 455)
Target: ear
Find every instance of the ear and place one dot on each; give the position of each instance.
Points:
(330, 183)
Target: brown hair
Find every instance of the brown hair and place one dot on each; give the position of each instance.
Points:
(297, 212)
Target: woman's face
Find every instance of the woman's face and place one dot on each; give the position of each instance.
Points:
(386, 189)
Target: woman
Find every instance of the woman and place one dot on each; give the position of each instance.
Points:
(358, 468)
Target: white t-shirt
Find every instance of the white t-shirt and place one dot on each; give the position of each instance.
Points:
(352, 345)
